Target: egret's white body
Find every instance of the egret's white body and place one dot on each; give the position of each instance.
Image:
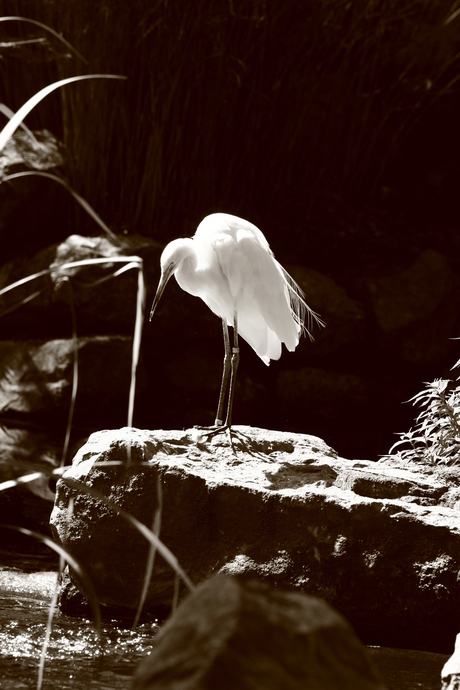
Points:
(229, 264)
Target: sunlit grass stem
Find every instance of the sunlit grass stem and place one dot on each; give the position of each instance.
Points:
(10, 128)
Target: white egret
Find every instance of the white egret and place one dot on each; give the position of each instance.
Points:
(229, 264)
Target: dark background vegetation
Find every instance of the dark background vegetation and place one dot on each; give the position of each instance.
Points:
(332, 125)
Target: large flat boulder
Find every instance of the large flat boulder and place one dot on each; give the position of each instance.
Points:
(378, 541)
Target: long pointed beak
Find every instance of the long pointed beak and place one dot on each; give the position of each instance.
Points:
(160, 289)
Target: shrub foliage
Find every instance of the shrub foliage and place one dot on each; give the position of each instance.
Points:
(435, 439)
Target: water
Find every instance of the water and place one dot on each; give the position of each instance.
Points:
(74, 657)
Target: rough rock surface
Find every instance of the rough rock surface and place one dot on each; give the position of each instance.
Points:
(380, 542)
(233, 634)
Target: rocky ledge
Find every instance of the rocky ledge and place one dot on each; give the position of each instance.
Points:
(379, 541)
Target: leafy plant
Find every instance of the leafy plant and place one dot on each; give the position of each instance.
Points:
(435, 439)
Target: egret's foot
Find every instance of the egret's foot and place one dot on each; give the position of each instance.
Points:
(210, 431)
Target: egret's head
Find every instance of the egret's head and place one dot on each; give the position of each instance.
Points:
(171, 260)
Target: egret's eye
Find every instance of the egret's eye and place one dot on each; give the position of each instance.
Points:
(168, 268)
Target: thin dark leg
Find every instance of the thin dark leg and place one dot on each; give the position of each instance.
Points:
(231, 361)
(235, 362)
(225, 375)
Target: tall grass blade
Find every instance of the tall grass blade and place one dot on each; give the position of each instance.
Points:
(9, 114)
(23, 281)
(175, 593)
(147, 533)
(134, 260)
(10, 128)
(46, 28)
(51, 611)
(27, 299)
(131, 261)
(452, 17)
(83, 203)
(152, 536)
(49, 625)
(156, 527)
(73, 396)
(25, 479)
(140, 310)
(80, 571)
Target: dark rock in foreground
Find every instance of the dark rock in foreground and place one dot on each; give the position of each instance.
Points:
(381, 543)
(233, 634)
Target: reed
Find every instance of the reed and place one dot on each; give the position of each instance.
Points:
(65, 274)
(262, 109)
